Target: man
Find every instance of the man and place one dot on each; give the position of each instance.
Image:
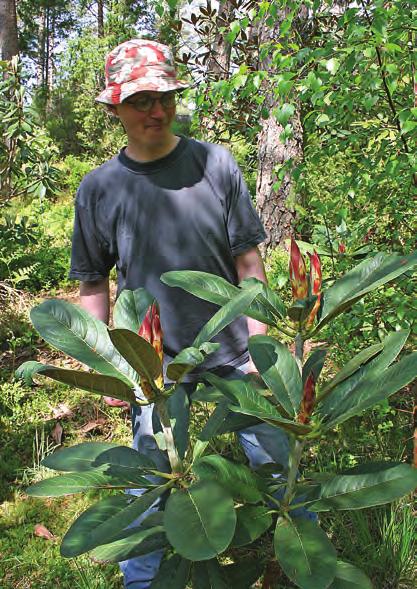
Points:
(167, 203)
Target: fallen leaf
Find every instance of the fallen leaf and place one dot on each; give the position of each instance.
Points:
(43, 532)
(57, 432)
(61, 410)
(99, 422)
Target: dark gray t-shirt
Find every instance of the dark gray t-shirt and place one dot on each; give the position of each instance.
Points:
(189, 210)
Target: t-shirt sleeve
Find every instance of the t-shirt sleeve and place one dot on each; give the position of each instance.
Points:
(90, 257)
(243, 224)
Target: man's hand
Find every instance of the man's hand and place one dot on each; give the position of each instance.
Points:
(115, 402)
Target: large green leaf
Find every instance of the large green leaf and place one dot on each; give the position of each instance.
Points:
(224, 316)
(179, 413)
(138, 352)
(217, 290)
(203, 285)
(105, 520)
(209, 575)
(75, 332)
(235, 422)
(183, 362)
(346, 390)
(355, 490)
(173, 573)
(188, 359)
(200, 520)
(252, 403)
(238, 479)
(130, 543)
(352, 366)
(376, 388)
(131, 307)
(314, 364)
(349, 577)
(278, 370)
(367, 276)
(243, 574)
(252, 522)
(93, 383)
(215, 421)
(305, 553)
(90, 455)
(102, 477)
(267, 304)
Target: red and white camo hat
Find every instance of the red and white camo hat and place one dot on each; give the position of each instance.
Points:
(137, 65)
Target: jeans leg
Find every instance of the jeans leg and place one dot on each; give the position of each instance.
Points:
(139, 572)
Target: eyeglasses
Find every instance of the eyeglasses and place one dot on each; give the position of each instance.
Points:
(145, 102)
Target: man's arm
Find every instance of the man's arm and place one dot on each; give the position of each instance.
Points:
(250, 264)
(95, 298)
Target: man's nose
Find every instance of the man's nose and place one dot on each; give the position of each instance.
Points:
(157, 110)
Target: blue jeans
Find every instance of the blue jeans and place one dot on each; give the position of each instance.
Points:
(261, 443)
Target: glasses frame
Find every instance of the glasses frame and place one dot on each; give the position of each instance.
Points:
(170, 97)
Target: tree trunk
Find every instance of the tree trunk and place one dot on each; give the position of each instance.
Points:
(273, 203)
(100, 18)
(218, 64)
(9, 45)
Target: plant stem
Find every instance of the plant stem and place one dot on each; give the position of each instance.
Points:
(174, 459)
(299, 347)
(296, 446)
(293, 464)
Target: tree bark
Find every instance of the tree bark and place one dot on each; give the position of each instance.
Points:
(9, 45)
(100, 18)
(218, 64)
(273, 204)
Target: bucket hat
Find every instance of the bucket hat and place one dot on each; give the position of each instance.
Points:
(137, 65)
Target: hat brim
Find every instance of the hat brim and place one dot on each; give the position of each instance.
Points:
(117, 94)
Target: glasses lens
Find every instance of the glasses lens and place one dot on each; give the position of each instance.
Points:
(142, 103)
(146, 102)
(168, 99)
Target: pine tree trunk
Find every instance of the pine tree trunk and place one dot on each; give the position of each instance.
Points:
(218, 63)
(9, 45)
(100, 18)
(272, 196)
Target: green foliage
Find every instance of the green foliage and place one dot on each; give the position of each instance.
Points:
(213, 503)
(29, 257)
(26, 153)
(74, 169)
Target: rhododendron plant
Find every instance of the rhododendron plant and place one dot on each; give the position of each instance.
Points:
(213, 504)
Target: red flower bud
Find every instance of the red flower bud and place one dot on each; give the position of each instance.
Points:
(315, 283)
(145, 330)
(151, 331)
(342, 248)
(298, 273)
(309, 396)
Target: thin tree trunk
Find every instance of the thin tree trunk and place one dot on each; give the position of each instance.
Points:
(9, 45)
(100, 18)
(47, 56)
(218, 68)
(272, 194)
(218, 64)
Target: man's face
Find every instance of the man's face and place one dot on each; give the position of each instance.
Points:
(148, 123)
